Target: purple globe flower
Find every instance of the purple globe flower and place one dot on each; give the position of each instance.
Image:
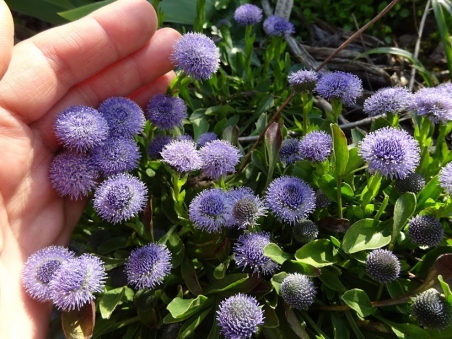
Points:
(298, 291)
(219, 157)
(248, 15)
(433, 103)
(196, 55)
(388, 100)
(426, 230)
(316, 146)
(290, 199)
(305, 231)
(239, 316)
(120, 197)
(148, 265)
(446, 88)
(76, 281)
(40, 269)
(340, 86)
(303, 81)
(392, 152)
(157, 144)
(116, 155)
(185, 137)
(81, 128)
(210, 210)
(383, 266)
(445, 178)
(249, 251)
(73, 174)
(182, 155)
(246, 208)
(289, 151)
(204, 138)
(166, 112)
(124, 117)
(432, 310)
(275, 25)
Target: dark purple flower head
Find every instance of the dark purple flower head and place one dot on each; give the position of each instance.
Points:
(290, 199)
(316, 146)
(388, 100)
(411, 183)
(298, 291)
(81, 128)
(76, 281)
(248, 15)
(432, 310)
(185, 137)
(321, 200)
(205, 138)
(223, 23)
(246, 208)
(305, 231)
(383, 266)
(116, 155)
(289, 151)
(197, 55)
(124, 117)
(392, 152)
(303, 81)
(239, 316)
(148, 265)
(425, 230)
(73, 174)
(182, 155)
(157, 144)
(166, 112)
(340, 85)
(249, 251)
(40, 269)
(275, 25)
(445, 178)
(120, 197)
(433, 103)
(219, 157)
(210, 210)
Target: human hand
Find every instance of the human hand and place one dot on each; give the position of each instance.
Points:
(115, 51)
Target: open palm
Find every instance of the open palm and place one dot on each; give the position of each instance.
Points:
(115, 51)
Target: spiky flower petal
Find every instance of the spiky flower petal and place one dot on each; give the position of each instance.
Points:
(383, 266)
(298, 291)
(275, 25)
(432, 310)
(219, 158)
(425, 230)
(166, 112)
(247, 15)
(305, 231)
(204, 138)
(411, 183)
(445, 178)
(388, 100)
(289, 151)
(433, 103)
(316, 146)
(246, 207)
(340, 85)
(157, 144)
(303, 81)
(182, 155)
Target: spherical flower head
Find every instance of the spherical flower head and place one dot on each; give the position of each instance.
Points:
(40, 269)
(316, 146)
(432, 310)
(148, 265)
(425, 230)
(411, 183)
(388, 100)
(166, 112)
(383, 266)
(210, 210)
(392, 152)
(116, 155)
(124, 117)
(298, 291)
(321, 200)
(303, 81)
(249, 251)
(341, 86)
(248, 15)
(157, 144)
(120, 197)
(289, 151)
(73, 174)
(305, 231)
(239, 316)
(182, 155)
(219, 158)
(81, 128)
(445, 178)
(275, 25)
(446, 88)
(185, 137)
(290, 199)
(433, 103)
(197, 55)
(76, 281)
(204, 138)
(246, 208)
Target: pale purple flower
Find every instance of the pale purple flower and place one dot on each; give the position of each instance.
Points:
(166, 112)
(316, 146)
(219, 158)
(147, 266)
(247, 208)
(340, 86)
(425, 230)
(383, 266)
(303, 81)
(204, 138)
(290, 199)
(289, 151)
(197, 55)
(392, 152)
(388, 100)
(248, 15)
(185, 137)
(298, 291)
(182, 155)
(40, 269)
(239, 316)
(157, 144)
(445, 178)
(81, 128)
(120, 197)
(433, 103)
(275, 25)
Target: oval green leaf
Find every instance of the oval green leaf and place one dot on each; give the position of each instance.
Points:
(363, 235)
(318, 253)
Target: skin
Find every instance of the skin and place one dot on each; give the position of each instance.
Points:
(115, 51)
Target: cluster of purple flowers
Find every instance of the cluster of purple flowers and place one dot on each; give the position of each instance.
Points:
(434, 103)
(315, 146)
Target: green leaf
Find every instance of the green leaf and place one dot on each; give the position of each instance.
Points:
(273, 140)
(330, 277)
(359, 301)
(403, 210)
(364, 235)
(405, 331)
(275, 253)
(227, 283)
(200, 126)
(340, 149)
(295, 324)
(79, 324)
(109, 301)
(39, 9)
(431, 191)
(271, 319)
(446, 289)
(277, 280)
(183, 308)
(371, 189)
(318, 253)
(190, 325)
(190, 277)
(80, 12)
(355, 161)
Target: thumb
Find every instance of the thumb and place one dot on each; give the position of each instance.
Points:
(6, 37)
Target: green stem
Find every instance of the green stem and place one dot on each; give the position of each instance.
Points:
(381, 210)
(393, 119)
(440, 140)
(200, 15)
(306, 99)
(339, 195)
(353, 325)
(249, 41)
(313, 324)
(380, 291)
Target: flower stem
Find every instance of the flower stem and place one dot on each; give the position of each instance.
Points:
(339, 195)
(380, 291)
(313, 324)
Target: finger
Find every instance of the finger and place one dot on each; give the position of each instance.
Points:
(6, 37)
(46, 66)
(145, 93)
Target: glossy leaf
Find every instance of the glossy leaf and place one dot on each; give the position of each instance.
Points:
(317, 253)
(340, 149)
(359, 301)
(109, 301)
(364, 235)
(79, 324)
(275, 253)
